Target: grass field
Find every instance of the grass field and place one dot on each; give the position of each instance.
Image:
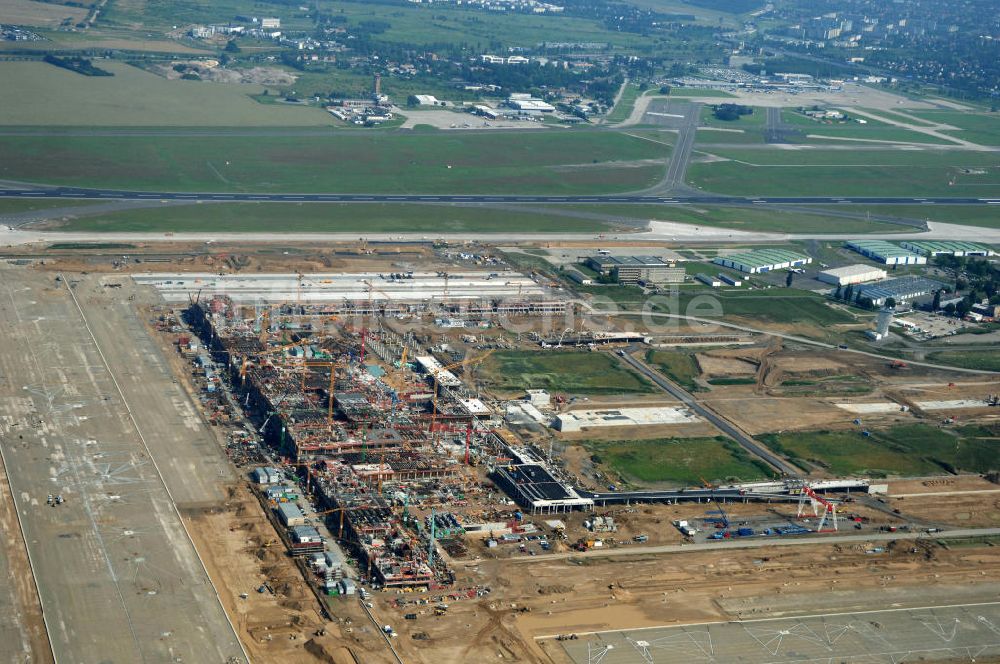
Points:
(779, 305)
(748, 129)
(623, 109)
(756, 119)
(509, 162)
(910, 172)
(969, 215)
(51, 96)
(677, 461)
(982, 128)
(916, 449)
(747, 219)
(567, 371)
(871, 130)
(328, 218)
(678, 366)
(987, 359)
(16, 205)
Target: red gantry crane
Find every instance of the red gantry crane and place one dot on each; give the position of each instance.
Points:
(815, 500)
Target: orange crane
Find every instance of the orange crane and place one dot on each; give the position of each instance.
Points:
(333, 364)
(343, 511)
(455, 365)
(271, 351)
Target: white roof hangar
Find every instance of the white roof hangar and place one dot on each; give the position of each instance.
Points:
(851, 274)
(578, 420)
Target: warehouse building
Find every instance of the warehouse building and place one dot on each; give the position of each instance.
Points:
(900, 289)
(851, 274)
(636, 269)
(714, 282)
(579, 420)
(290, 514)
(886, 252)
(947, 248)
(763, 260)
(528, 105)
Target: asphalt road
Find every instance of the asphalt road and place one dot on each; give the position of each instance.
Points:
(677, 168)
(685, 397)
(679, 199)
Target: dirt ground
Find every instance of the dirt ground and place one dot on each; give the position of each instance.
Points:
(210, 71)
(759, 414)
(712, 364)
(966, 501)
(544, 598)
(242, 552)
(234, 258)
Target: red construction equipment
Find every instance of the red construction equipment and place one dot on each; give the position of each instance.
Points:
(829, 509)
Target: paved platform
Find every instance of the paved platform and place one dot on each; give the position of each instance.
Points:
(966, 633)
(119, 579)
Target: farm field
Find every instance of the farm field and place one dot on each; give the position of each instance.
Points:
(40, 14)
(737, 218)
(815, 172)
(566, 371)
(346, 162)
(677, 461)
(51, 96)
(162, 16)
(917, 449)
(328, 218)
(442, 24)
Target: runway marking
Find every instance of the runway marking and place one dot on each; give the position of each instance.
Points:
(708, 623)
(159, 475)
(771, 639)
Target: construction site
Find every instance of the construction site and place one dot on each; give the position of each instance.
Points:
(382, 464)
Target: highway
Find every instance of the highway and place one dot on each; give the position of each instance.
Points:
(71, 193)
(745, 441)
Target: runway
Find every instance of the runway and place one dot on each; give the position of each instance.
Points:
(70, 193)
(118, 577)
(961, 632)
